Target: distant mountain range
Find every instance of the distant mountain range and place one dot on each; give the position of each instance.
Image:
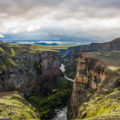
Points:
(46, 44)
(106, 46)
(38, 42)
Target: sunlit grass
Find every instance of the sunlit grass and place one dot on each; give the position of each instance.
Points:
(2, 50)
(113, 68)
(15, 107)
(12, 52)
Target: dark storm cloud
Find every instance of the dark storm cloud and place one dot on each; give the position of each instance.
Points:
(70, 18)
(21, 7)
(78, 7)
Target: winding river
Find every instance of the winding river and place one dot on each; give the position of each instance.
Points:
(62, 68)
(62, 113)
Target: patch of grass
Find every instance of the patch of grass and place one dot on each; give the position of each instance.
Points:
(38, 48)
(12, 62)
(16, 107)
(2, 50)
(110, 57)
(113, 68)
(104, 105)
(12, 52)
(65, 46)
(3, 67)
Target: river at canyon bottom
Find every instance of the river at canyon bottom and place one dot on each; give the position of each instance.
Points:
(61, 114)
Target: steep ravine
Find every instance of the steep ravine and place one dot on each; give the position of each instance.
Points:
(62, 113)
(62, 68)
(96, 91)
(33, 79)
(37, 75)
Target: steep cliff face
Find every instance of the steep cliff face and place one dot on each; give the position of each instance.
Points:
(50, 71)
(35, 72)
(26, 71)
(72, 53)
(96, 91)
(70, 62)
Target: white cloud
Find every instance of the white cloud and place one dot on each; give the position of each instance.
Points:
(2, 36)
(33, 28)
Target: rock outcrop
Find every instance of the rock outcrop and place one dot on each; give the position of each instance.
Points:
(72, 53)
(96, 91)
(26, 71)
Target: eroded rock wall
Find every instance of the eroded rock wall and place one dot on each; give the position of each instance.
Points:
(28, 72)
(93, 81)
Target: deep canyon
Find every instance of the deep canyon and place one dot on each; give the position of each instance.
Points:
(32, 85)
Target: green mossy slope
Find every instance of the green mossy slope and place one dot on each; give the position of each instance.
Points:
(103, 107)
(14, 106)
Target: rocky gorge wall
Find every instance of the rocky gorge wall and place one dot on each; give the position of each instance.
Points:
(72, 53)
(30, 78)
(27, 72)
(33, 72)
(96, 91)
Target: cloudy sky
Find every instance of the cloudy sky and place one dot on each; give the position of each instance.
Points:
(80, 21)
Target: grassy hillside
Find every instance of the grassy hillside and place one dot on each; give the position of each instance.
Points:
(102, 107)
(109, 57)
(14, 106)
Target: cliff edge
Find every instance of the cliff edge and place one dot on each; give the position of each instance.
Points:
(96, 90)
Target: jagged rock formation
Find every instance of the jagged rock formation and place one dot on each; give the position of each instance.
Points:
(96, 91)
